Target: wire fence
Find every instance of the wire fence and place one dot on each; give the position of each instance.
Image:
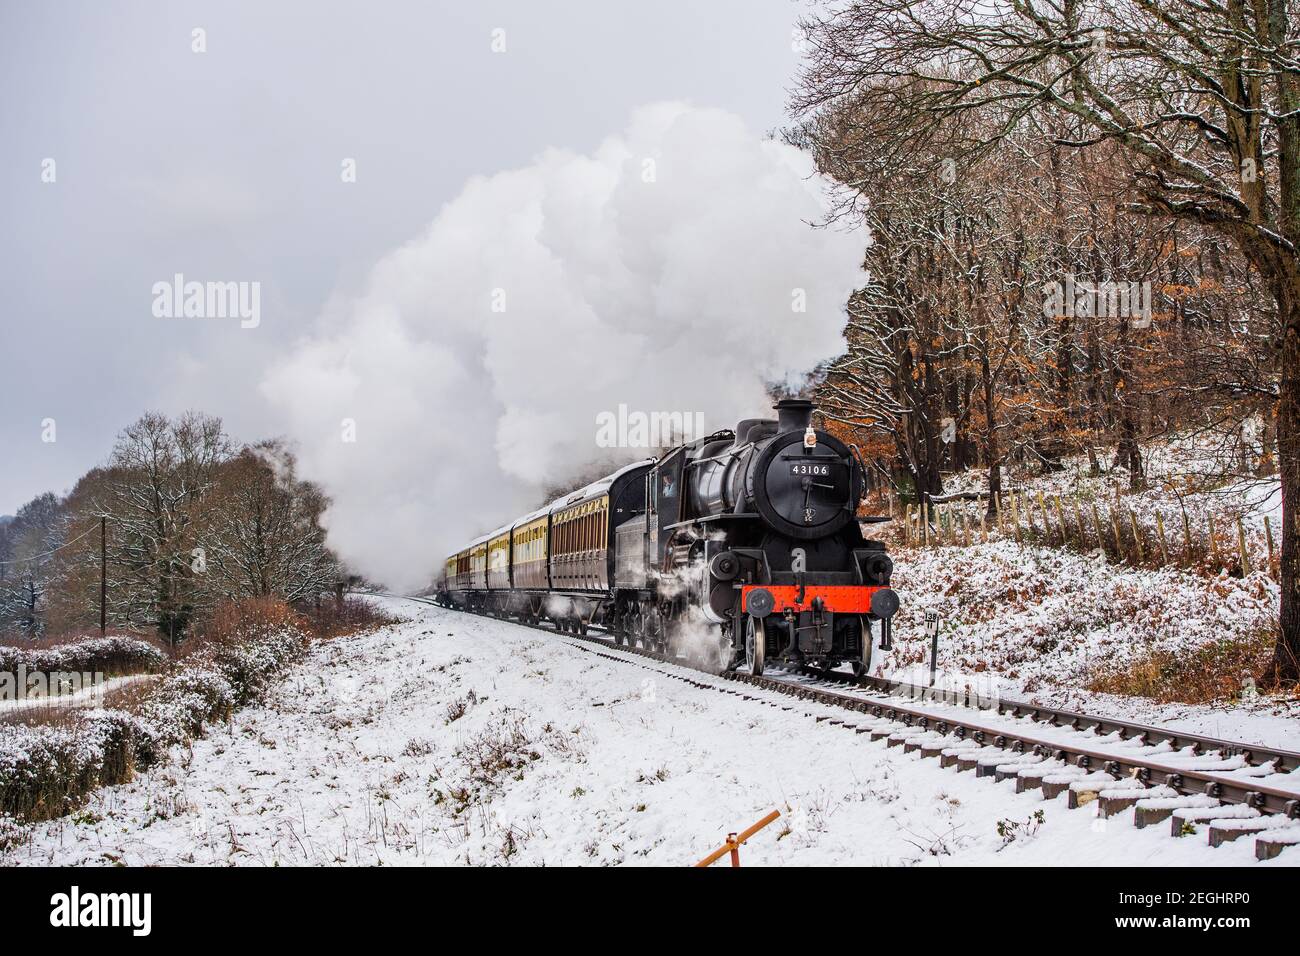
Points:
(1141, 536)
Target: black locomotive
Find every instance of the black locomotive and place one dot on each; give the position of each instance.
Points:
(738, 548)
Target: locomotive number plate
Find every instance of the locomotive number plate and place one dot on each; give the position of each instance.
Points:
(800, 470)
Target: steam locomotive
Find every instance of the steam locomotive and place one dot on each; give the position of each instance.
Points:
(738, 548)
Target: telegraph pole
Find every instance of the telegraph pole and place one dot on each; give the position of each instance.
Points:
(103, 574)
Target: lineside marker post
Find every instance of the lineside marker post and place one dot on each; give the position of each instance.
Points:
(932, 625)
(736, 840)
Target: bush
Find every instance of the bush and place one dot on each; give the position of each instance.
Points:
(112, 655)
(49, 770)
(327, 618)
(46, 771)
(248, 619)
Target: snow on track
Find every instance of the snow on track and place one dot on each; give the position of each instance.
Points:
(458, 739)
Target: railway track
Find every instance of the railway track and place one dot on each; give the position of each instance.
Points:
(1189, 781)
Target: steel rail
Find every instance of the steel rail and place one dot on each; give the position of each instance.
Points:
(1284, 760)
(1148, 770)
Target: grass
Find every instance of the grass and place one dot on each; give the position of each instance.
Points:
(1223, 671)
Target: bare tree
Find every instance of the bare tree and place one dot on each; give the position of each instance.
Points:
(156, 495)
(1200, 101)
(265, 535)
(26, 558)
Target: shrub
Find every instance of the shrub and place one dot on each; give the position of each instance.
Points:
(48, 770)
(113, 655)
(328, 618)
(248, 619)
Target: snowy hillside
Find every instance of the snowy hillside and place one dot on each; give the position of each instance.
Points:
(453, 739)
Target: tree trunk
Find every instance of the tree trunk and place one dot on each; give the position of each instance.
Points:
(1286, 658)
(991, 453)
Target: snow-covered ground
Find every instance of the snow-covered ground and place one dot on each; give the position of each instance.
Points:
(1038, 623)
(454, 739)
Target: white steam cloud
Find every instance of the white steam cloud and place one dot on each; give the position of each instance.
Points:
(665, 271)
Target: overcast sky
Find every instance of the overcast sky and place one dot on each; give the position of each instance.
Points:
(226, 164)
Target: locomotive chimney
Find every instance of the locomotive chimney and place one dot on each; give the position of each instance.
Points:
(793, 414)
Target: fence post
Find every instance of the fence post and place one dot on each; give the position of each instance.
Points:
(1268, 534)
(1187, 535)
(1214, 545)
(984, 531)
(1241, 546)
(1015, 517)
(1078, 520)
(1160, 529)
(1096, 525)
(925, 522)
(1137, 539)
(1119, 542)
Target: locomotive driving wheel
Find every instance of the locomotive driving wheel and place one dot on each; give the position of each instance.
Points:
(635, 625)
(652, 630)
(862, 666)
(755, 646)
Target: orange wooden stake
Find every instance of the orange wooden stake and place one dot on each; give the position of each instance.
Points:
(736, 840)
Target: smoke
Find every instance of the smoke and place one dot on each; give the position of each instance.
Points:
(672, 269)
